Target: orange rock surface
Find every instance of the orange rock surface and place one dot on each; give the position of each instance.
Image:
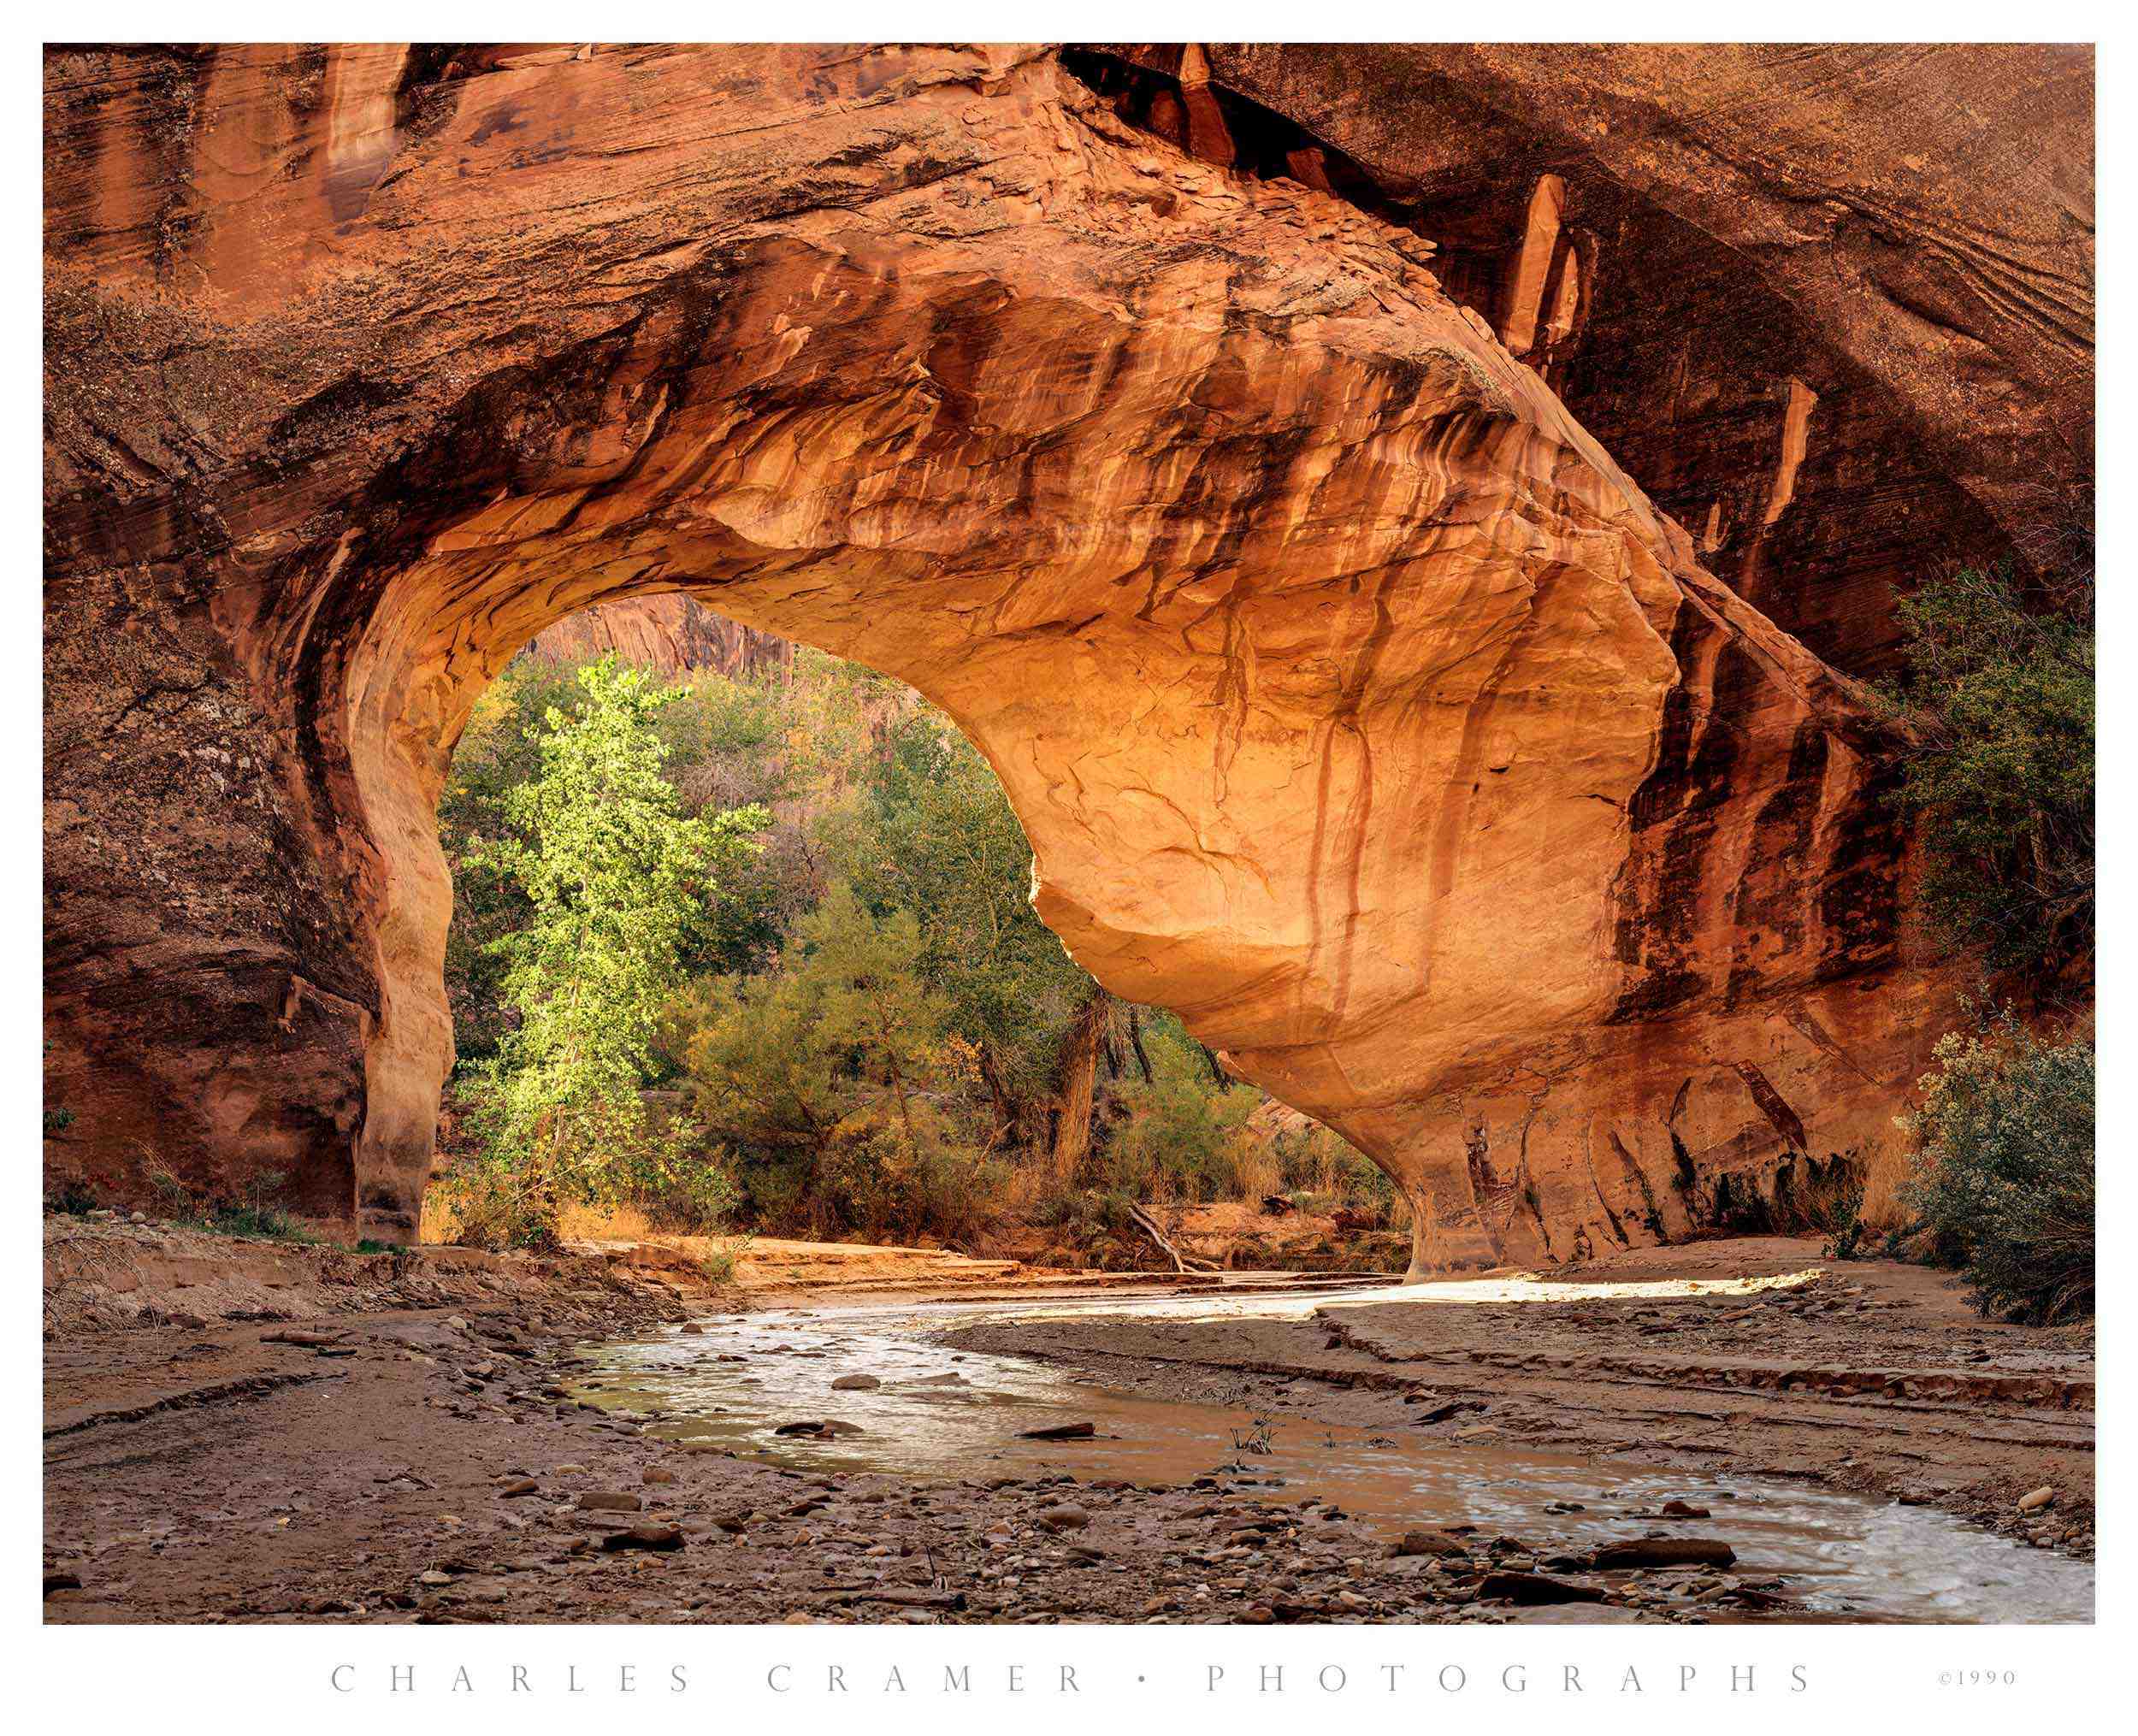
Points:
(1357, 703)
(1831, 304)
(672, 631)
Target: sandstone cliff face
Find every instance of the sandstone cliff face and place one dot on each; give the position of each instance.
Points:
(1356, 701)
(1831, 306)
(670, 632)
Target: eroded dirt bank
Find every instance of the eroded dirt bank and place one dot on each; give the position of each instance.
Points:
(248, 1432)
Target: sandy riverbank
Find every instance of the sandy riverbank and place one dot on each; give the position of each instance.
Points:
(248, 1432)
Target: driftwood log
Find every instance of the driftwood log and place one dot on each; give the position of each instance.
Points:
(1182, 1262)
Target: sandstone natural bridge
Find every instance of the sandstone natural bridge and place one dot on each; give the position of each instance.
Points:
(1257, 452)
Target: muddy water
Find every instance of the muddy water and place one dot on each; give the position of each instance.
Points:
(947, 1413)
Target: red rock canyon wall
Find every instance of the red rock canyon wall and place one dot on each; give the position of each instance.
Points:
(1357, 701)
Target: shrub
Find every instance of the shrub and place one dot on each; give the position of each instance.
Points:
(1846, 1239)
(839, 1082)
(1319, 1165)
(70, 1195)
(257, 1211)
(1812, 1198)
(1185, 1135)
(2003, 1171)
(1999, 697)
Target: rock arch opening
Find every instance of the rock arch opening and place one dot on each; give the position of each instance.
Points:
(1004, 1096)
(1302, 733)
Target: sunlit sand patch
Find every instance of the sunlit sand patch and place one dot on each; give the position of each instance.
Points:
(1518, 1287)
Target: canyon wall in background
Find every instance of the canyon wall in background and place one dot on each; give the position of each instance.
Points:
(672, 631)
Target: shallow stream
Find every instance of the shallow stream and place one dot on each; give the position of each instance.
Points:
(944, 1413)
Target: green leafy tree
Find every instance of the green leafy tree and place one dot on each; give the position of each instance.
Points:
(839, 1073)
(728, 746)
(614, 876)
(2001, 775)
(847, 1029)
(497, 754)
(933, 835)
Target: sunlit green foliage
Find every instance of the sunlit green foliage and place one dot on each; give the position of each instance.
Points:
(497, 754)
(614, 877)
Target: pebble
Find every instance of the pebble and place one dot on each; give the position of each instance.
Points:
(2037, 1498)
(1428, 1543)
(646, 1536)
(1667, 1552)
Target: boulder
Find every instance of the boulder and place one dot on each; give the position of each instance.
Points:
(644, 1536)
(1534, 1588)
(1428, 1543)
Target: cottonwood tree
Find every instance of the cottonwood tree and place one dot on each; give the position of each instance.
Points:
(932, 834)
(843, 1064)
(613, 875)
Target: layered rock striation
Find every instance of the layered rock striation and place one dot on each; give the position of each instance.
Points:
(1831, 306)
(672, 631)
(1356, 702)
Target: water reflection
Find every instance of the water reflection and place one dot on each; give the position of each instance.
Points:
(943, 1413)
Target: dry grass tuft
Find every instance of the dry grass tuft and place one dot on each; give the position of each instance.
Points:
(1256, 1168)
(441, 1222)
(1885, 1173)
(604, 1224)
